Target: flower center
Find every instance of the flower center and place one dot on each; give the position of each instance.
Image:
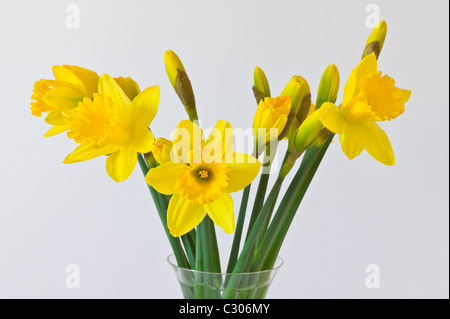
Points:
(202, 183)
(203, 174)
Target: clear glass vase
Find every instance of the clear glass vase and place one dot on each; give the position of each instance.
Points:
(207, 285)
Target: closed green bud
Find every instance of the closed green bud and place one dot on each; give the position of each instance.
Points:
(308, 132)
(376, 40)
(329, 86)
(261, 88)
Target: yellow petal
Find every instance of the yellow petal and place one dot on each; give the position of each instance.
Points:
(120, 164)
(352, 139)
(163, 178)
(222, 213)
(144, 107)
(64, 74)
(377, 144)
(331, 117)
(279, 125)
(107, 86)
(88, 78)
(243, 170)
(406, 94)
(188, 142)
(86, 151)
(367, 66)
(183, 215)
(129, 86)
(63, 97)
(55, 129)
(142, 140)
(219, 145)
(55, 118)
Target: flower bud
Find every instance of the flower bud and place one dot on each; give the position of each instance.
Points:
(297, 89)
(376, 39)
(295, 125)
(162, 150)
(329, 86)
(308, 132)
(261, 89)
(173, 66)
(181, 83)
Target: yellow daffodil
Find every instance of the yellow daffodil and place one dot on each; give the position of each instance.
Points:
(60, 96)
(201, 182)
(111, 124)
(368, 97)
(272, 113)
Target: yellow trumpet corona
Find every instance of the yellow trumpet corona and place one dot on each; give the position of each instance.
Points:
(272, 113)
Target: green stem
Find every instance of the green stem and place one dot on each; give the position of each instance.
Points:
(260, 194)
(279, 227)
(244, 262)
(238, 231)
(214, 248)
(161, 208)
(189, 247)
(198, 286)
(205, 234)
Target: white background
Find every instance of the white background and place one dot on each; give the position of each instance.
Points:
(355, 213)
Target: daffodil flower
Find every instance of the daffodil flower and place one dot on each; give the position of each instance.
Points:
(60, 96)
(202, 180)
(271, 114)
(368, 97)
(111, 124)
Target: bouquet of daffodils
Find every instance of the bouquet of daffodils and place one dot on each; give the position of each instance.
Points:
(190, 177)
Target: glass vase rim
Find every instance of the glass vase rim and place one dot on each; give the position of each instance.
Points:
(279, 262)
